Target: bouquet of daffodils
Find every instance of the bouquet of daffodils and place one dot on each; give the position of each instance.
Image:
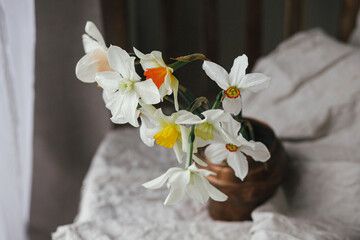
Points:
(130, 98)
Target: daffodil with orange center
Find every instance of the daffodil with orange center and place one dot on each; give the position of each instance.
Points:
(155, 68)
(234, 152)
(235, 82)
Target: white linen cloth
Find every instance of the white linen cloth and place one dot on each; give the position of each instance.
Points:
(17, 47)
(313, 105)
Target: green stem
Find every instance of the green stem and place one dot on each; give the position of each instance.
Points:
(187, 92)
(251, 130)
(239, 116)
(191, 147)
(176, 65)
(247, 130)
(185, 97)
(170, 99)
(218, 100)
(243, 132)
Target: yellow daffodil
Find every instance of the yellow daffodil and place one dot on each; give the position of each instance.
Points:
(207, 129)
(167, 133)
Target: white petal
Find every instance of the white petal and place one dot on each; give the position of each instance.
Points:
(199, 161)
(178, 182)
(259, 152)
(130, 63)
(174, 88)
(90, 44)
(162, 118)
(129, 106)
(138, 53)
(222, 136)
(238, 162)
(199, 142)
(109, 81)
(159, 181)
(214, 193)
(216, 115)
(216, 152)
(237, 71)
(146, 60)
(175, 195)
(200, 171)
(157, 56)
(147, 124)
(167, 83)
(148, 91)
(232, 126)
(93, 31)
(217, 73)
(186, 117)
(241, 141)
(178, 150)
(232, 105)
(146, 140)
(254, 82)
(108, 97)
(180, 179)
(119, 120)
(115, 105)
(149, 109)
(184, 137)
(121, 62)
(90, 64)
(197, 190)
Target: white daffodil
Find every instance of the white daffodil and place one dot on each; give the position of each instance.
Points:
(125, 88)
(95, 59)
(234, 152)
(207, 129)
(189, 181)
(235, 82)
(147, 122)
(167, 133)
(156, 69)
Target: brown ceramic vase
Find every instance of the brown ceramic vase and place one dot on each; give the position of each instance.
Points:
(258, 186)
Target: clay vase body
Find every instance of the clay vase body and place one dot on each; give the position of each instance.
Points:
(258, 186)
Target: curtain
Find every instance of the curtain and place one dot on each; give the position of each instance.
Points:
(17, 44)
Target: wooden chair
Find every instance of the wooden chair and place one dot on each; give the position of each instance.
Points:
(117, 25)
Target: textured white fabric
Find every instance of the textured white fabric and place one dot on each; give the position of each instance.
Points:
(17, 46)
(313, 104)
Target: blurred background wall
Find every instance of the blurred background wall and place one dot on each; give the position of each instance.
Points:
(70, 117)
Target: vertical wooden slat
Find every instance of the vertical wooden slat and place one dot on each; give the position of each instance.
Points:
(294, 17)
(210, 26)
(253, 36)
(210, 44)
(347, 18)
(168, 33)
(114, 21)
